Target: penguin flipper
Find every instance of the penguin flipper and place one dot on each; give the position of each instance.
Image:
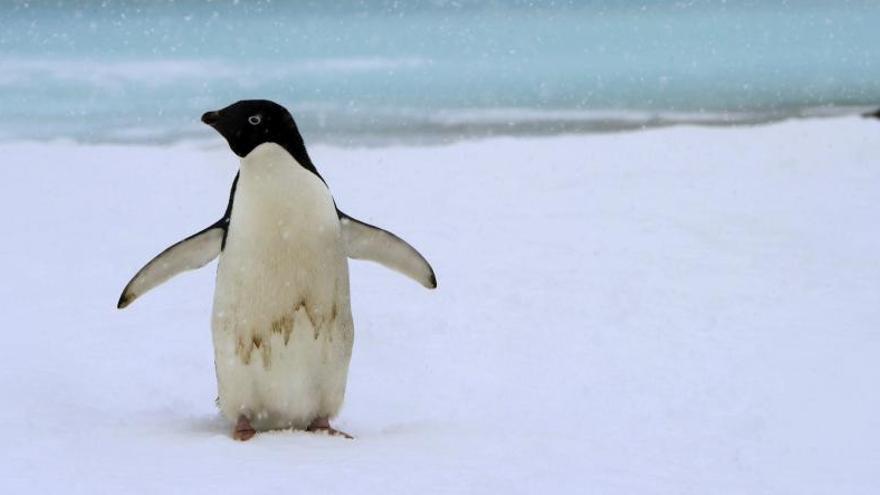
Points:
(193, 252)
(367, 242)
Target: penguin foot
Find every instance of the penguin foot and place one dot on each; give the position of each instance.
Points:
(243, 430)
(322, 425)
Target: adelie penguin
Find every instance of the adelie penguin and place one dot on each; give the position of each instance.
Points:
(282, 325)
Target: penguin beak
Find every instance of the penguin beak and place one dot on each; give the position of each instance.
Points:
(211, 118)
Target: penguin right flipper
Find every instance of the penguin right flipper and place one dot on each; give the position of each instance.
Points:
(367, 242)
(193, 252)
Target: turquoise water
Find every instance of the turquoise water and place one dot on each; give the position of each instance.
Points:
(374, 70)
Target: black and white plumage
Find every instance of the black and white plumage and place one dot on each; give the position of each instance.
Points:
(282, 325)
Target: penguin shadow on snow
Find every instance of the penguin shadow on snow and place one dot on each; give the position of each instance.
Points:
(214, 424)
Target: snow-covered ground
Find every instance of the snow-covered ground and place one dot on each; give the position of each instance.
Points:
(676, 311)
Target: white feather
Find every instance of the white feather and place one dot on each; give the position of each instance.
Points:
(282, 321)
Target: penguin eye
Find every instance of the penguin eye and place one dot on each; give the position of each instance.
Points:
(254, 119)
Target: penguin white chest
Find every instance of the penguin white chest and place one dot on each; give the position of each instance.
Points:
(282, 325)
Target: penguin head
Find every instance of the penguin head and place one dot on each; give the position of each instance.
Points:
(247, 124)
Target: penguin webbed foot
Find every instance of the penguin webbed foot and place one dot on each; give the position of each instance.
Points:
(322, 425)
(243, 430)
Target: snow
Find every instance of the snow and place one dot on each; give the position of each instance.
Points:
(681, 310)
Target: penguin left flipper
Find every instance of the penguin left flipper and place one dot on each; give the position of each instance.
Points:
(367, 242)
(193, 252)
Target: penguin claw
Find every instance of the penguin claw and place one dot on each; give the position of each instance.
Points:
(243, 429)
(322, 425)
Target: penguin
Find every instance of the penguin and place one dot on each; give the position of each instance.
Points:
(281, 325)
